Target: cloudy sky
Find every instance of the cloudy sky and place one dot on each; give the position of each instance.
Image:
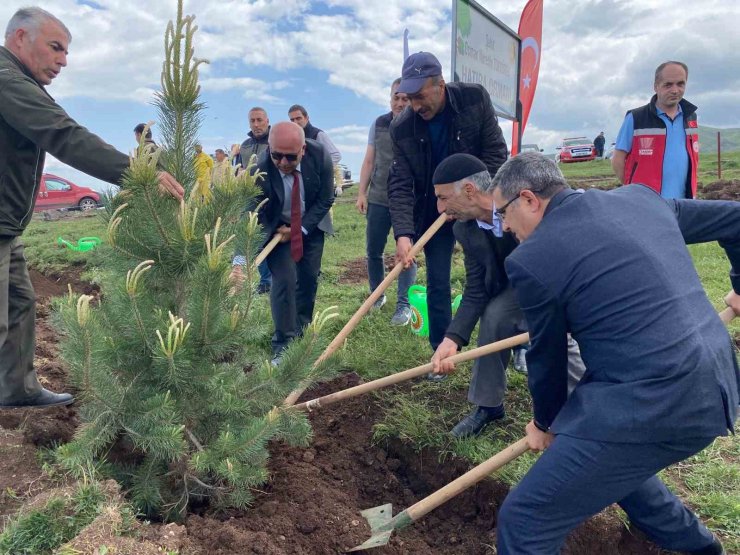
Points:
(338, 57)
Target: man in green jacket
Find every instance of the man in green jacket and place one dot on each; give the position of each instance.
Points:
(31, 124)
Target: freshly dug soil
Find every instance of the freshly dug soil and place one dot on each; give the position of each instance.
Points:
(355, 271)
(721, 190)
(311, 506)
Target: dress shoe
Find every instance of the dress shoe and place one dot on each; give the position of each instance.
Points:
(40, 400)
(479, 418)
(264, 288)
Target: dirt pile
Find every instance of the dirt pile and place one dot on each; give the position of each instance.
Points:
(721, 190)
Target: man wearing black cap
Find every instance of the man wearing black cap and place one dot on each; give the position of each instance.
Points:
(464, 189)
(444, 119)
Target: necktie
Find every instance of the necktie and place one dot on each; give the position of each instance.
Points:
(296, 234)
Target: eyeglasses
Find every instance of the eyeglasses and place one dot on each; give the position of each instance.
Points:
(501, 212)
(277, 156)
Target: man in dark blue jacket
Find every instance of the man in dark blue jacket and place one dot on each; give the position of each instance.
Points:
(612, 268)
(444, 118)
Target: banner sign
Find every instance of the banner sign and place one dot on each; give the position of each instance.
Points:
(485, 51)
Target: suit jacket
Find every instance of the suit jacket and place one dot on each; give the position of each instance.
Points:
(613, 269)
(318, 185)
(485, 276)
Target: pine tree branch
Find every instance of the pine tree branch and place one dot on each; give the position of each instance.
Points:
(194, 439)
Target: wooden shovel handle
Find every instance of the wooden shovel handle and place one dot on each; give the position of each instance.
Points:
(260, 258)
(398, 377)
(370, 301)
(470, 478)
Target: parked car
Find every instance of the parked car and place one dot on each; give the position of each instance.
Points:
(575, 149)
(56, 192)
(609, 154)
(531, 148)
(346, 176)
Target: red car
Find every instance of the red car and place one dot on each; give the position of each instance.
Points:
(57, 192)
(575, 149)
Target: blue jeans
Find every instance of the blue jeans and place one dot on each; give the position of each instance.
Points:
(378, 226)
(438, 256)
(265, 274)
(576, 478)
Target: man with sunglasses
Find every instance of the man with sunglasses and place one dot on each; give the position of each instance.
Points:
(445, 118)
(662, 381)
(463, 188)
(299, 183)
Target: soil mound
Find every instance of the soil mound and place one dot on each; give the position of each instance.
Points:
(721, 190)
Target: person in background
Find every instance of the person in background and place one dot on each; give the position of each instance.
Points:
(599, 143)
(372, 201)
(203, 165)
(658, 144)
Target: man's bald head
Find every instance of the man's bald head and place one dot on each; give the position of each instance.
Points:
(287, 140)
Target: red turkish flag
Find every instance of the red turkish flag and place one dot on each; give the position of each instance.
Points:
(530, 30)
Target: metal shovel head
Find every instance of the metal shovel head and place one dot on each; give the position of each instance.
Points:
(378, 518)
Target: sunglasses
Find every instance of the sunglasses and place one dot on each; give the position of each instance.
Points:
(277, 156)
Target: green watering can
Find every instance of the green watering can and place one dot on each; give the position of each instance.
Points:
(83, 245)
(419, 315)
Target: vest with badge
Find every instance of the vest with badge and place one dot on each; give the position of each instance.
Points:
(644, 163)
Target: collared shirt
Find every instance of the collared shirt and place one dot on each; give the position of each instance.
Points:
(333, 151)
(496, 227)
(676, 159)
(288, 194)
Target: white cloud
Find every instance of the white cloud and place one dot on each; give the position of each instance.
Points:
(598, 55)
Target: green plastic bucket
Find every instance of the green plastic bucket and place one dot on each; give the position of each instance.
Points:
(419, 313)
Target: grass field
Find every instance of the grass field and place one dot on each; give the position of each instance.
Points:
(422, 413)
(598, 173)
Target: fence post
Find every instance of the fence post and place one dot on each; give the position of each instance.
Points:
(719, 157)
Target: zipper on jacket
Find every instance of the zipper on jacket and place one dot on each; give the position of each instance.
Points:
(632, 173)
(36, 182)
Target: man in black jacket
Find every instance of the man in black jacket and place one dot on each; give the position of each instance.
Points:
(443, 119)
(464, 192)
(32, 123)
(254, 146)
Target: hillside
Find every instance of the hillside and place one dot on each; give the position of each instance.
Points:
(730, 139)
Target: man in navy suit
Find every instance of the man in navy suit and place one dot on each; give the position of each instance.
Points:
(612, 268)
(299, 183)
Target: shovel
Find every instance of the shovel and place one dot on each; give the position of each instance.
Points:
(398, 377)
(380, 519)
(382, 523)
(260, 258)
(369, 302)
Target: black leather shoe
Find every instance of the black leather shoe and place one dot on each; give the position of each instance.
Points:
(479, 418)
(264, 288)
(40, 400)
(715, 548)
